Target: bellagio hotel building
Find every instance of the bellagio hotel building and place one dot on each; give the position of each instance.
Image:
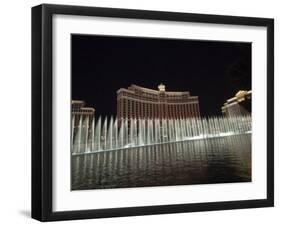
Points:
(139, 102)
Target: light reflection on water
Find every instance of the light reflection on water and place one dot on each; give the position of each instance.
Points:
(217, 160)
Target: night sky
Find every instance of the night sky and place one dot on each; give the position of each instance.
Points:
(214, 71)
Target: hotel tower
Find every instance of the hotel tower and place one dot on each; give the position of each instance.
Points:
(139, 102)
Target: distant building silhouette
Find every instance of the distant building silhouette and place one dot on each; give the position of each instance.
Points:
(240, 104)
(140, 102)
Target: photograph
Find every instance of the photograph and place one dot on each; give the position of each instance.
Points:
(148, 111)
(141, 112)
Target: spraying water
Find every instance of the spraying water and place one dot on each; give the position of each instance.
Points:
(102, 136)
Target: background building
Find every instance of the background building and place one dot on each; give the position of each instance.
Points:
(140, 102)
(240, 104)
(80, 116)
(78, 108)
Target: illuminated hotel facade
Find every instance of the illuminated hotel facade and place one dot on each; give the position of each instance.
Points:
(78, 108)
(238, 105)
(80, 116)
(139, 102)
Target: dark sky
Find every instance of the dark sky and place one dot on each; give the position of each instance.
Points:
(214, 71)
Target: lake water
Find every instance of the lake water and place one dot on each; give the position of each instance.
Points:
(216, 160)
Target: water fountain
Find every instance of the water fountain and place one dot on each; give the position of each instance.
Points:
(201, 161)
(103, 135)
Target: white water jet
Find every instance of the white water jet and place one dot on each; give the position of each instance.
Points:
(110, 134)
(79, 137)
(105, 135)
(98, 135)
(115, 135)
(86, 128)
(93, 135)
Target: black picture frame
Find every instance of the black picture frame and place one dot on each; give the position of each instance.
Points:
(42, 107)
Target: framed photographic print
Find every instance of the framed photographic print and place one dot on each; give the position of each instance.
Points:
(145, 112)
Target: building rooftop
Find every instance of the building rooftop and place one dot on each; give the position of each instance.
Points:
(161, 88)
(240, 96)
(77, 102)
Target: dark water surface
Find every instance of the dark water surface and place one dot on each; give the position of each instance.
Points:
(216, 160)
